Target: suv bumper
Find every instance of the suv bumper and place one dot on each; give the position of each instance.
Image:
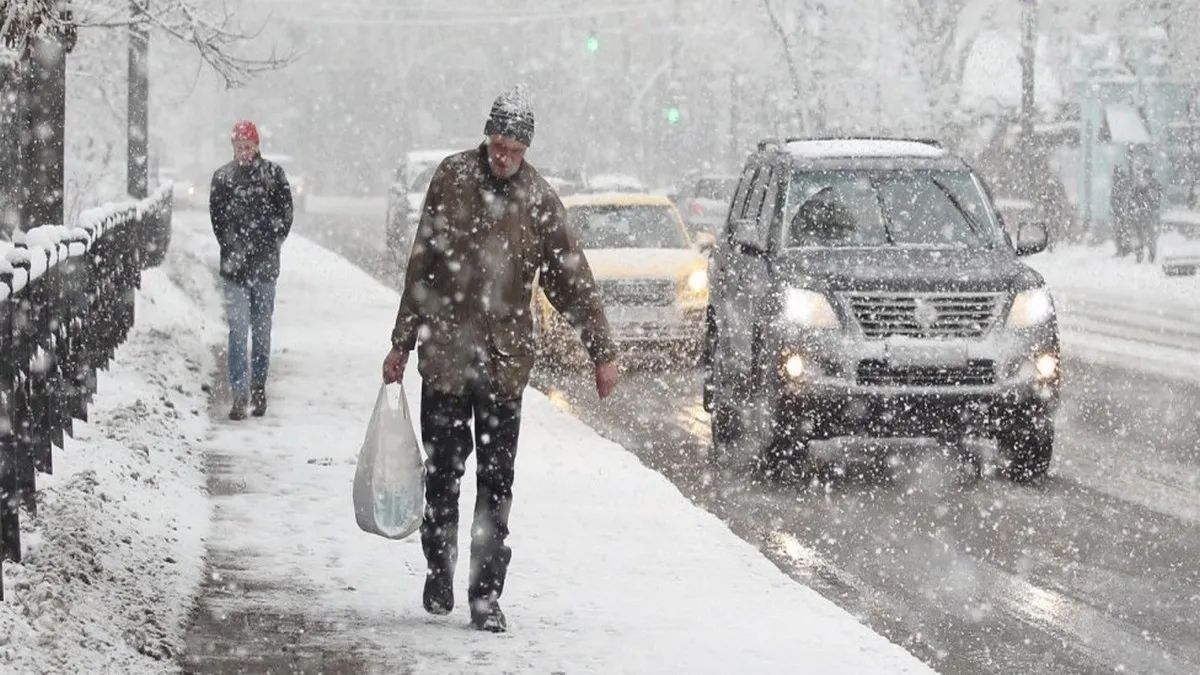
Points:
(828, 412)
(856, 387)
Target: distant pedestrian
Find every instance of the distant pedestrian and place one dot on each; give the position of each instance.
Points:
(250, 205)
(490, 225)
(1120, 201)
(1145, 208)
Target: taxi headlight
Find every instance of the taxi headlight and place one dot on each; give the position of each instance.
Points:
(809, 309)
(1031, 308)
(697, 281)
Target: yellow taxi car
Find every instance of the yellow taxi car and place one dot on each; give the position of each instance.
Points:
(653, 278)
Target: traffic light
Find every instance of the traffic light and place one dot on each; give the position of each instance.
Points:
(673, 114)
(592, 45)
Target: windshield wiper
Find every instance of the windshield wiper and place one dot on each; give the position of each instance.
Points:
(883, 212)
(972, 222)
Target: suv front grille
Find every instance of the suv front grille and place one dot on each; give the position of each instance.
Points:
(638, 292)
(933, 315)
(977, 373)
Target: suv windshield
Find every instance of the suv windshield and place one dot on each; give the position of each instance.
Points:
(627, 227)
(869, 208)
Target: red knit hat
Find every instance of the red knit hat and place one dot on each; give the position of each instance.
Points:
(244, 131)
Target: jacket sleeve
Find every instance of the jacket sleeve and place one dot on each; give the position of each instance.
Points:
(281, 205)
(218, 205)
(568, 282)
(417, 275)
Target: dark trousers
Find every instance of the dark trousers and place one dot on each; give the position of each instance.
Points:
(446, 432)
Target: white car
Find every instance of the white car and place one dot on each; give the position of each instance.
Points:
(406, 195)
(615, 182)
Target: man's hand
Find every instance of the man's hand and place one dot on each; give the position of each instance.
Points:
(393, 365)
(606, 379)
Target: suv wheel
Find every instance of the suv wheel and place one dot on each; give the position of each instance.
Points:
(1027, 444)
(746, 435)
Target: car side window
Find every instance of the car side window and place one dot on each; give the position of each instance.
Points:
(770, 205)
(755, 205)
(738, 207)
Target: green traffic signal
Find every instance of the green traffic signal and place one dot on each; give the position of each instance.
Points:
(673, 115)
(593, 44)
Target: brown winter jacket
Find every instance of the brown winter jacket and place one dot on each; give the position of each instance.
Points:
(479, 246)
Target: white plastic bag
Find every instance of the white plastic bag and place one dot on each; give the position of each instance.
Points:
(389, 483)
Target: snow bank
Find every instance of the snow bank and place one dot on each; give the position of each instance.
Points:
(113, 556)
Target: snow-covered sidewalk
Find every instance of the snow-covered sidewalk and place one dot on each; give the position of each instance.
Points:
(613, 569)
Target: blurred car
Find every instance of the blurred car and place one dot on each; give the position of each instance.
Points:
(653, 280)
(565, 181)
(296, 179)
(704, 202)
(406, 195)
(184, 192)
(615, 182)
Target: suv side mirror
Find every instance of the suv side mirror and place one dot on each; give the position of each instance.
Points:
(1031, 238)
(743, 233)
(705, 241)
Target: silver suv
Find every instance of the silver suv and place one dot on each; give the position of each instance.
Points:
(867, 287)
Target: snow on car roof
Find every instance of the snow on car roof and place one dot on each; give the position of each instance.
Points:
(615, 199)
(856, 147)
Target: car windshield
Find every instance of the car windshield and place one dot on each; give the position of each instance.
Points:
(869, 208)
(627, 227)
(718, 189)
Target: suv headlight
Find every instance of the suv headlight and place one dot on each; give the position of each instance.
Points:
(1031, 308)
(809, 309)
(697, 281)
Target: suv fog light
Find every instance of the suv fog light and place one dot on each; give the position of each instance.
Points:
(1046, 366)
(794, 366)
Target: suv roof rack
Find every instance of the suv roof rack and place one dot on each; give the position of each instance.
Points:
(933, 142)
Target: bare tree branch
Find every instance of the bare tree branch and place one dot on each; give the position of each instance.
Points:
(793, 70)
(217, 39)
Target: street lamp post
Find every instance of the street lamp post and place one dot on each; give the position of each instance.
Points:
(1028, 46)
(138, 122)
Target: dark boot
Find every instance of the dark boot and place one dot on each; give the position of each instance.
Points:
(486, 615)
(438, 597)
(258, 399)
(237, 412)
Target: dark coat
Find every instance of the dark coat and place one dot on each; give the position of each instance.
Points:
(480, 247)
(251, 211)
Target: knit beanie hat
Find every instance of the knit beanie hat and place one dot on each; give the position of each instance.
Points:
(511, 116)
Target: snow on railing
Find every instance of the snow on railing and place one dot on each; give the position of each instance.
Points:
(66, 304)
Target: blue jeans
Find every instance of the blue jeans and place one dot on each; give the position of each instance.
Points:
(248, 309)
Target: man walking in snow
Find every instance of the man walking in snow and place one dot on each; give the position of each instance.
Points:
(250, 205)
(489, 226)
